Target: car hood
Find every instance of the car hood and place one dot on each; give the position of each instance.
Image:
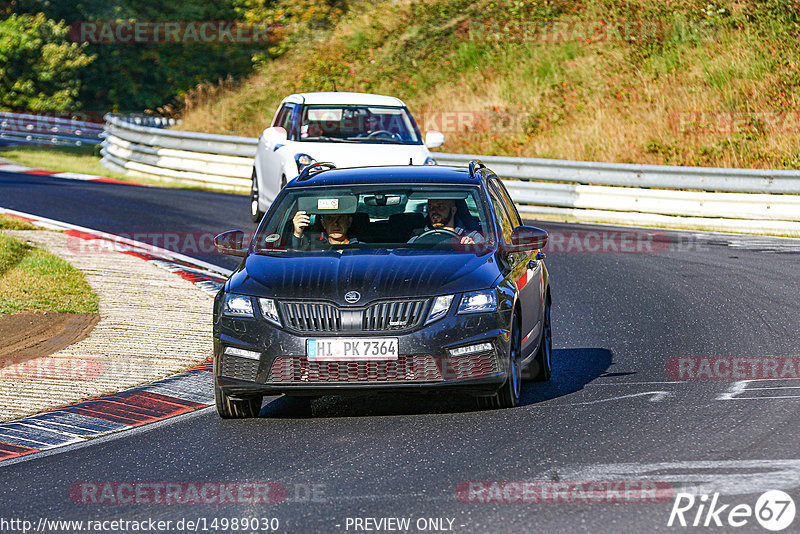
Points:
(374, 273)
(360, 155)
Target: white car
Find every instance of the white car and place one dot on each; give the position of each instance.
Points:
(347, 129)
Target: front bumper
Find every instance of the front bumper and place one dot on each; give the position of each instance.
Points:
(424, 362)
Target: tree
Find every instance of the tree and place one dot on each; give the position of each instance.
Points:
(137, 76)
(38, 67)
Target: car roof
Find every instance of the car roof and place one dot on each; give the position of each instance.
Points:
(344, 98)
(395, 174)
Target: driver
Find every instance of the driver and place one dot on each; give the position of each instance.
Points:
(335, 229)
(441, 216)
(373, 124)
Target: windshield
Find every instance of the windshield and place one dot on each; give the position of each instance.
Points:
(358, 124)
(376, 216)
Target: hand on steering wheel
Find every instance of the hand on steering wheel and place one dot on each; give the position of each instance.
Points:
(435, 235)
(383, 132)
(434, 231)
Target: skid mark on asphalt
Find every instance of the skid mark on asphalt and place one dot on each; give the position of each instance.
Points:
(727, 477)
(655, 396)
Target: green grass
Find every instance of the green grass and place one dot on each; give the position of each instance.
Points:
(83, 160)
(585, 96)
(13, 223)
(33, 280)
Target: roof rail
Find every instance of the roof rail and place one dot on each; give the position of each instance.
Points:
(474, 166)
(314, 168)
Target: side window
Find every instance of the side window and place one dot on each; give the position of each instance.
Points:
(506, 227)
(284, 118)
(501, 191)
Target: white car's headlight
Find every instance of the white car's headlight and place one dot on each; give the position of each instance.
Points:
(441, 305)
(478, 302)
(303, 161)
(237, 306)
(269, 310)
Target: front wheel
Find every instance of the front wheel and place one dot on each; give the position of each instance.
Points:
(540, 368)
(255, 212)
(229, 408)
(509, 393)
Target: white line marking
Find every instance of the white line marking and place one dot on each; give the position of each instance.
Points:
(637, 383)
(736, 388)
(761, 398)
(658, 396)
(77, 176)
(16, 168)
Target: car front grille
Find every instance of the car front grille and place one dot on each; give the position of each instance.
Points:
(312, 316)
(415, 368)
(393, 315)
(472, 366)
(239, 368)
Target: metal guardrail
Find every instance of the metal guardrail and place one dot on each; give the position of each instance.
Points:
(26, 128)
(736, 200)
(633, 175)
(221, 161)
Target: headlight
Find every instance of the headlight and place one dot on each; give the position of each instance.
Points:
(237, 305)
(269, 310)
(441, 305)
(478, 302)
(430, 161)
(303, 161)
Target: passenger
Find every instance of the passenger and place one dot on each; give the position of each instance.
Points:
(441, 216)
(335, 229)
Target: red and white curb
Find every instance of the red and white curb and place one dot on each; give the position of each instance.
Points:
(22, 169)
(206, 276)
(175, 395)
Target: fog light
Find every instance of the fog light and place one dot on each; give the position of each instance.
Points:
(233, 351)
(471, 349)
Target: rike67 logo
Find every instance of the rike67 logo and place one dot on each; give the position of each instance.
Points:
(774, 510)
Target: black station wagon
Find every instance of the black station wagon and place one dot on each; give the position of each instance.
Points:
(403, 278)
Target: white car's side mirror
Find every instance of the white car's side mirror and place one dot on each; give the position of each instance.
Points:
(434, 139)
(274, 135)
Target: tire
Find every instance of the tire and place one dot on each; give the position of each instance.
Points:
(509, 393)
(229, 408)
(255, 213)
(283, 181)
(540, 368)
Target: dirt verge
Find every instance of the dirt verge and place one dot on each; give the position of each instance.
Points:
(32, 335)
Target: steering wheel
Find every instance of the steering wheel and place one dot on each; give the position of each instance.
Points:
(433, 234)
(383, 132)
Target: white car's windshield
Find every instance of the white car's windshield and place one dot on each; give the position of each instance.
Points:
(358, 124)
(373, 216)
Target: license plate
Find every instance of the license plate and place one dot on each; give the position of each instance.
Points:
(352, 349)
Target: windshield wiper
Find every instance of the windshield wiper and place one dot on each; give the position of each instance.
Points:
(326, 138)
(378, 140)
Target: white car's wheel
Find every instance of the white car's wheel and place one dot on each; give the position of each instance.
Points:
(255, 212)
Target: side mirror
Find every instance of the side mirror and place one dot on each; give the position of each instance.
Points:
(434, 139)
(231, 243)
(525, 238)
(275, 135)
